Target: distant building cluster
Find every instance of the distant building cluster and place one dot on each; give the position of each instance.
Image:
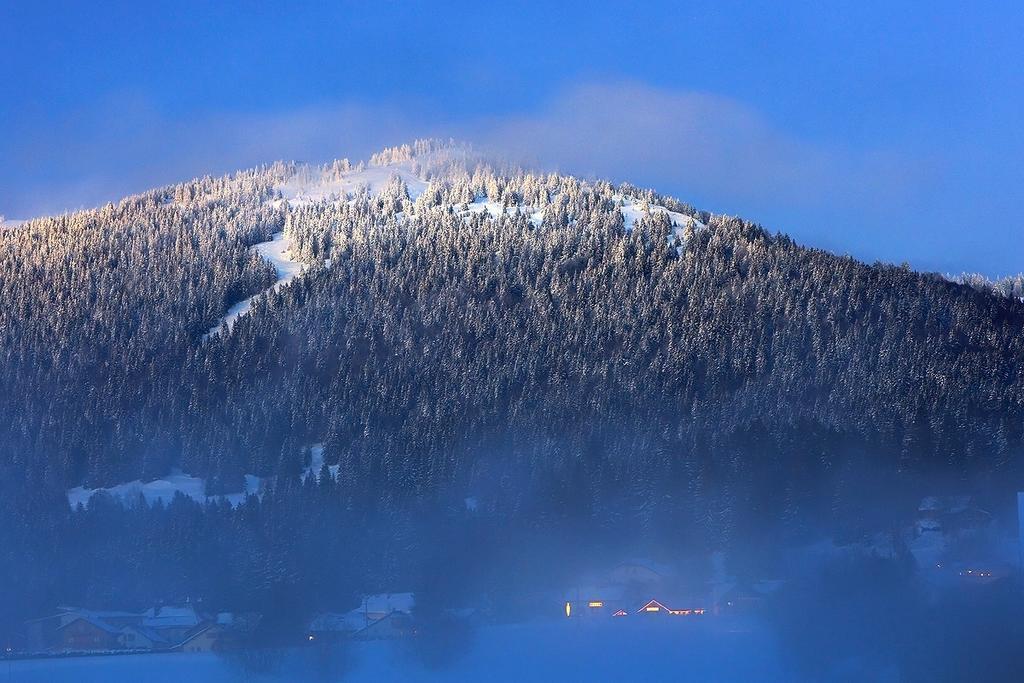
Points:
(646, 588)
(379, 617)
(164, 628)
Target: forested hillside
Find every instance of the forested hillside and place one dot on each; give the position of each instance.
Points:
(545, 345)
(428, 334)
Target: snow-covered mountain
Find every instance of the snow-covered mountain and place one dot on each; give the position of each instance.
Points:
(294, 281)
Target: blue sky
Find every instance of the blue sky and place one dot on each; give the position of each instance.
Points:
(886, 130)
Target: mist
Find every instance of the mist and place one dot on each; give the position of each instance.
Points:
(435, 416)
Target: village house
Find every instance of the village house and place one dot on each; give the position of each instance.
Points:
(209, 638)
(84, 633)
(589, 601)
(393, 608)
(633, 587)
(172, 623)
(955, 542)
(167, 628)
(598, 608)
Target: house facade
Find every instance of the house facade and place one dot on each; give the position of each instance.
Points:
(84, 633)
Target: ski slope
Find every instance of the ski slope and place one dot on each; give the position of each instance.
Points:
(278, 253)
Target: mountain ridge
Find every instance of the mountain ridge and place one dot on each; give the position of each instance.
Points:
(202, 239)
(597, 387)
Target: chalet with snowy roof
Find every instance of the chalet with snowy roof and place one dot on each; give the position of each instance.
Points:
(50, 632)
(372, 609)
(173, 623)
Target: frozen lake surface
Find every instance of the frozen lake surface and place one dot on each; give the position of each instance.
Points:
(540, 651)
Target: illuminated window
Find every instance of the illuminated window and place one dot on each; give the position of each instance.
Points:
(654, 606)
(595, 603)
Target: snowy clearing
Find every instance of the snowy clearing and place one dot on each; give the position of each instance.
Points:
(495, 210)
(632, 211)
(316, 462)
(307, 186)
(164, 490)
(278, 252)
(310, 185)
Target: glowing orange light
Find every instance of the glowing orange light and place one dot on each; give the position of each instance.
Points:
(653, 606)
(568, 609)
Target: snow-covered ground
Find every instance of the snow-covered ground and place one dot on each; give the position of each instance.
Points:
(632, 211)
(306, 186)
(164, 490)
(6, 223)
(278, 252)
(552, 650)
(316, 462)
(311, 185)
(494, 209)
